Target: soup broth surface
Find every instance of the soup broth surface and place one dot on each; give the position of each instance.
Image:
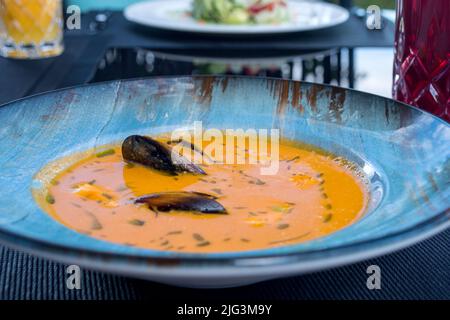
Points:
(313, 194)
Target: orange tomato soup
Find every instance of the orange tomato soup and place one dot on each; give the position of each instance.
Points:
(313, 195)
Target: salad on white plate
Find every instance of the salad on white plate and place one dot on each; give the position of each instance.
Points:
(236, 17)
(241, 11)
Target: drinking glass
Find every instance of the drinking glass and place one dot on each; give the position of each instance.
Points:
(422, 57)
(31, 28)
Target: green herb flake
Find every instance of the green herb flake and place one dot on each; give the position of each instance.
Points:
(50, 199)
(174, 232)
(136, 222)
(294, 159)
(198, 237)
(107, 196)
(289, 240)
(277, 209)
(130, 165)
(327, 218)
(96, 225)
(283, 209)
(283, 226)
(122, 188)
(259, 182)
(203, 244)
(105, 153)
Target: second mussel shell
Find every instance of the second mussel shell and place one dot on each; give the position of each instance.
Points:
(182, 201)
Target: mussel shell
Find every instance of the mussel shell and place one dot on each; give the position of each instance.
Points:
(154, 154)
(182, 201)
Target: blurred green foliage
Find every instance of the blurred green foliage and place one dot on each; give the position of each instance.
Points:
(119, 4)
(384, 4)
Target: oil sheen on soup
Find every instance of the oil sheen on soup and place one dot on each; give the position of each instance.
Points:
(313, 195)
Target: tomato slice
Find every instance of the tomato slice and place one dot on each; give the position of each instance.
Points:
(257, 8)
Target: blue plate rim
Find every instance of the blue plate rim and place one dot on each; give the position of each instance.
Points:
(220, 76)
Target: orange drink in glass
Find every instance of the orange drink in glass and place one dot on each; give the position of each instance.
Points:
(31, 28)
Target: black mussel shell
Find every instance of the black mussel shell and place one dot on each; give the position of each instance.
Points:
(156, 155)
(182, 201)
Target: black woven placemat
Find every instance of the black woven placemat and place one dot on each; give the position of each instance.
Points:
(419, 272)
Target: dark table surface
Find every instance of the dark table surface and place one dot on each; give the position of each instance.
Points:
(86, 47)
(97, 51)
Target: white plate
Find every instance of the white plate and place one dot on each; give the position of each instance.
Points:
(174, 15)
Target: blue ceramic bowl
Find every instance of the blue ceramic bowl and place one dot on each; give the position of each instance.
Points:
(404, 152)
